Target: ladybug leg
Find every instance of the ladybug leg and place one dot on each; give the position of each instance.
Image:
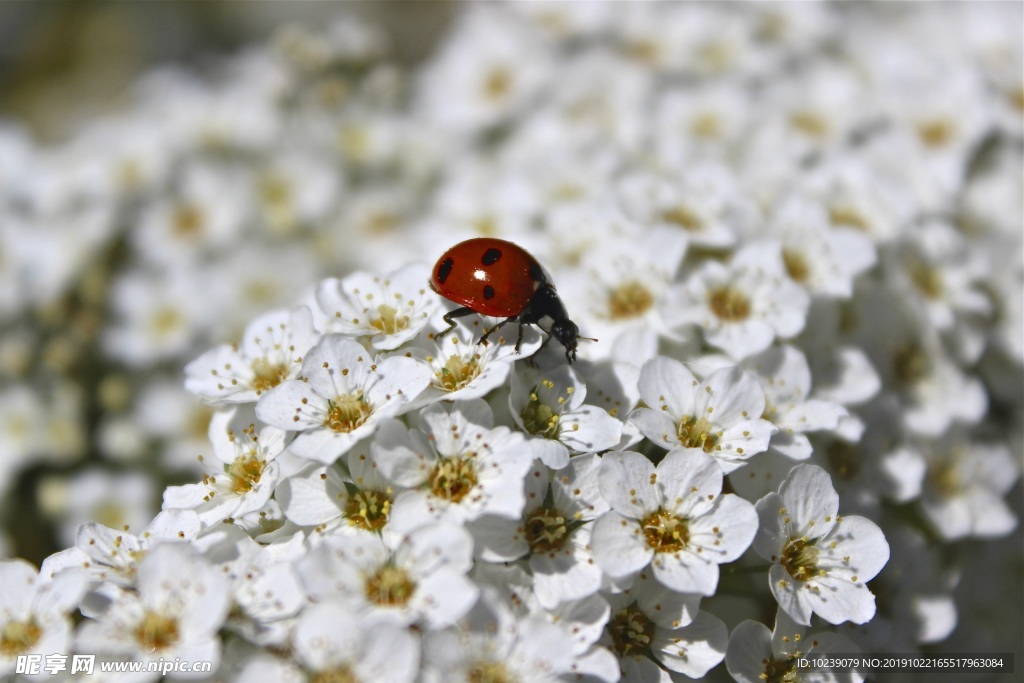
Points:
(530, 361)
(449, 318)
(487, 333)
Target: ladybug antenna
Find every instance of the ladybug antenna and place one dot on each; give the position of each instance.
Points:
(585, 338)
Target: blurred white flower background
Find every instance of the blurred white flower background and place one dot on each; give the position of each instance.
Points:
(228, 431)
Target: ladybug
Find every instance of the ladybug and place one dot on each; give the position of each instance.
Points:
(501, 279)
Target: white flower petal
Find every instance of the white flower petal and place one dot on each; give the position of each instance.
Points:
(619, 546)
(695, 649)
(627, 481)
(304, 498)
(750, 646)
(727, 530)
(656, 425)
(791, 595)
(686, 572)
(667, 382)
(811, 502)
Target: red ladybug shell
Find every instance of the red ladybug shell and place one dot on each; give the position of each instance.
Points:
(488, 275)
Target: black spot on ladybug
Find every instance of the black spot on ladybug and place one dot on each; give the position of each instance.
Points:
(488, 292)
(491, 257)
(537, 273)
(445, 269)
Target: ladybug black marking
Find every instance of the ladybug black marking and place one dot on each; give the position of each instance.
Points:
(508, 284)
(444, 269)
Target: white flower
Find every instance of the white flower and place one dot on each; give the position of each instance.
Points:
(333, 642)
(823, 258)
(703, 202)
(464, 369)
(934, 391)
(644, 635)
(491, 643)
(264, 586)
(377, 219)
(720, 416)
(206, 213)
(34, 612)
(703, 121)
(935, 270)
(341, 396)
(585, 620)
(820, 561)
(126, 155)
(113, 556)
(566, 191)
(548, 405)
(786, 380)
(478, 198)
(937, 118)
(673, 517)
(241, 476)
(159, 317)
(622, 284)
(741, 307)
(756, 654)
(418, 578)
(556, 530)
(179, 603)
(811, 112)
(507, 594)
(858, 195)
(964, 487)
(271, 351)
(485, 72)
(323, 497)
(296, 189)
(390, 309)
(458, 468)
(597, 106)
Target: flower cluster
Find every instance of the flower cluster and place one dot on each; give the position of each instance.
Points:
(794, 228)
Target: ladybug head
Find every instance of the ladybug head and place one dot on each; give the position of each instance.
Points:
(566, 332)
